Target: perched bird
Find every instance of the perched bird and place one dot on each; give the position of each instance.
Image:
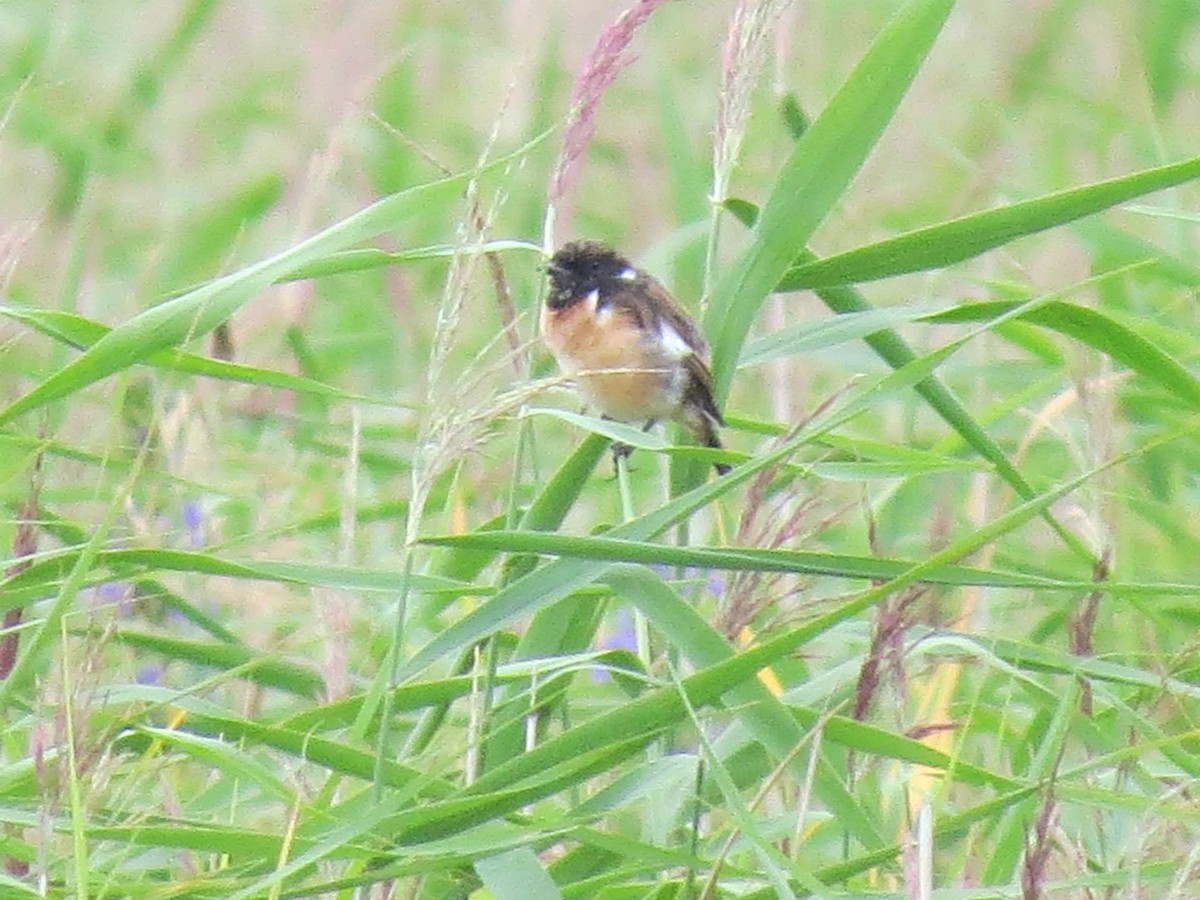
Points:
(634, 353)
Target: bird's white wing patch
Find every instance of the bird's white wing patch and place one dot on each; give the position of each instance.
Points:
(628, 275)
(593, 300)
(673, 343)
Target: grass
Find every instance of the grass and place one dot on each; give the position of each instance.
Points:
(320, 586)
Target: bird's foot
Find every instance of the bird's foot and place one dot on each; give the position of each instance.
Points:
(620, 451)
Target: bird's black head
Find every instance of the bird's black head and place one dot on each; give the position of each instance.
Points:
(580, 267)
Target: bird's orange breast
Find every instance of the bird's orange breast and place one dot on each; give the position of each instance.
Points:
(589, 345)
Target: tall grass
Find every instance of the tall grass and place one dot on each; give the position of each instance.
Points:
(318, 584)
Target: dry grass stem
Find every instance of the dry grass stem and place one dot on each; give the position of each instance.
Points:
(430, 455)
(771, 517)
(747, 48)
(24, 548)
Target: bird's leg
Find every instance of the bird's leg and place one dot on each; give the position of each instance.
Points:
(621, 450)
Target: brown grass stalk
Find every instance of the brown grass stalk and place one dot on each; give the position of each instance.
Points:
(24, 547)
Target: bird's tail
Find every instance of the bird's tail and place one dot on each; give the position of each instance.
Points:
(699, 409)
(705, 428)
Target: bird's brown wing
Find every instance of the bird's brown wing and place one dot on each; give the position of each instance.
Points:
(652, 306)
(668, 310)
(649, 304)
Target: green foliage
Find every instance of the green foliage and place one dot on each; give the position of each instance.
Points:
(315, 588)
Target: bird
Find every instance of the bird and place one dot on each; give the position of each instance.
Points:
(634, 353)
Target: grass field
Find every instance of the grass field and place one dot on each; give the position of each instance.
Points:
(319, 583)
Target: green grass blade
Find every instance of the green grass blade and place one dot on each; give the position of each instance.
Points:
(938, 246)
(53, 567)
(896, 353)
(199, 311)
(229, 760)
(808, 336)
(83, 333)
(329, 754)
(259, 668)
(639, 720)
(373, 258)
(746, 559)
(765, 716)
(516, 875)
(1100, 331)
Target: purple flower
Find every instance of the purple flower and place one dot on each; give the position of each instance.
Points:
(193, 521)
(622, 637)
(151, 673)
(115, 593)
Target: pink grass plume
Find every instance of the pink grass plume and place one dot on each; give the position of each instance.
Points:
(606, 61)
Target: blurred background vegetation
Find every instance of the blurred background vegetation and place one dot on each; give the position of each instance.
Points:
(146, 150)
